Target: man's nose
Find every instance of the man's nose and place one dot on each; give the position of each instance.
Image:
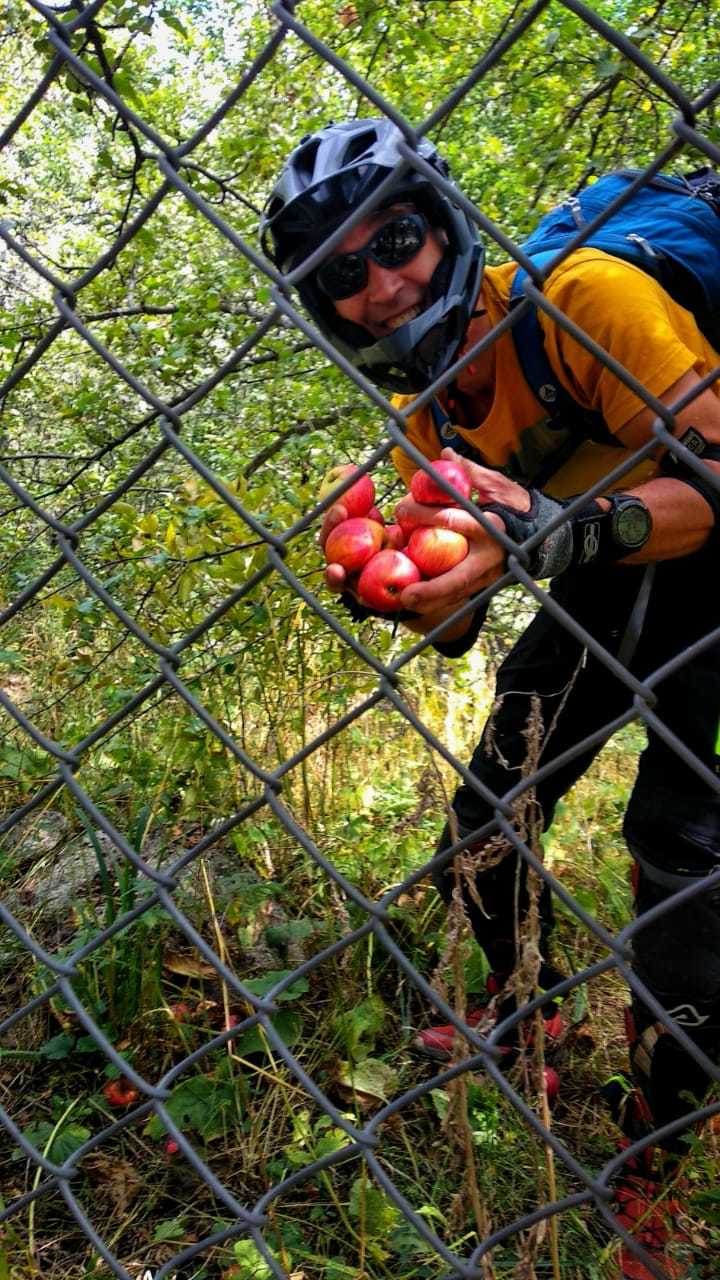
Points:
(383, 282)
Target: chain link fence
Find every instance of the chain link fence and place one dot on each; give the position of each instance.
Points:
(362, 1144)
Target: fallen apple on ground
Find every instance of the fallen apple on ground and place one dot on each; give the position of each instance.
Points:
(425, 491)
(359, 498)
(384, 578)
(551, 1081)
(181, 1012)
(120, 1092)
(435, 551)
(353, 542)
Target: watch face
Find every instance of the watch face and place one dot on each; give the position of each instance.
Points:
(631, 525)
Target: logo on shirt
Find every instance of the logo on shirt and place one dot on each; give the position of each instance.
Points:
(547, 393)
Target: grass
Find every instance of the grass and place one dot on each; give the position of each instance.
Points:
(265, 908)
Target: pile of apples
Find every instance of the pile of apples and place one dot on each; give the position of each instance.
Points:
(390, 557)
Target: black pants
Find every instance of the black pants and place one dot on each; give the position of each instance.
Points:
(672, 823)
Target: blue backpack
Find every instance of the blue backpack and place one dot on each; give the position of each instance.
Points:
(670, 228)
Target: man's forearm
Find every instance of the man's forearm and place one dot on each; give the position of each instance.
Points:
(682, 519)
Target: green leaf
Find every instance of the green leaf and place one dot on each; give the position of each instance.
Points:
(334, 1140)
(10, 659)
(441, 1102)
(170, 1229)
(61, 1046)
(202, 1104)
(287, 1024)
(281, 935)
(369, 1205)
(261, 986)
(66, 1140)
(86, 1044)
(371, 1077)
(172, 21)
(359, 1027)
(250, 1261)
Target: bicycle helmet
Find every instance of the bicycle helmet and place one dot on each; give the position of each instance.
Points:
(323, 181)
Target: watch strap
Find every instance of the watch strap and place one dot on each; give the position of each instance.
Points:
(604, 536)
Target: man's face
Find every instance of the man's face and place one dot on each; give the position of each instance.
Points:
(392, 296)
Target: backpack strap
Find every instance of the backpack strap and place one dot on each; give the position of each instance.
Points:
(537, 370)
(539, 373)
(448, 437)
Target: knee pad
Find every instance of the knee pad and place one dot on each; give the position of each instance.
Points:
(678, 954)
(678, 958)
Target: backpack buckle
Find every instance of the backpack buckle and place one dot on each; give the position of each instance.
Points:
(644, 245)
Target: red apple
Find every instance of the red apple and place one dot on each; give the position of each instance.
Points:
(181, 1012)
(551, 1081)
(353, 542)
(394, 536)
(424, 489)
(384, 578)
(359, 498)
(120, 1092)
(376, 514)
(434, 551)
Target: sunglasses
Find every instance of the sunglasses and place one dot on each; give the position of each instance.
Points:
(395, 243)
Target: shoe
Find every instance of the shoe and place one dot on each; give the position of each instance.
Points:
(437, 1042)
(652, 1219)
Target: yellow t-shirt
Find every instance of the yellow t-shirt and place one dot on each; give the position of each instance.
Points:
(631, 317)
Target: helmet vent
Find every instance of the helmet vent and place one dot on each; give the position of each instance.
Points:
(360, 145)
(306, 158)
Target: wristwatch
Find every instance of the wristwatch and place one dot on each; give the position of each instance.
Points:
(630, 523)
(602, 537)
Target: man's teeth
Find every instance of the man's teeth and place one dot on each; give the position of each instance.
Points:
(405, 318)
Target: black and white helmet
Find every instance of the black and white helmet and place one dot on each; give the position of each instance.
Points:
(323, 181)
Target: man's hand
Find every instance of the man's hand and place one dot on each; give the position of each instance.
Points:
(485, 561)
(437, 598)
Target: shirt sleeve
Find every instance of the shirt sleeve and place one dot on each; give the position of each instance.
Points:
(627, 313)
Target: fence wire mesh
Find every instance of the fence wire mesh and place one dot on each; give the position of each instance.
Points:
(162, 668)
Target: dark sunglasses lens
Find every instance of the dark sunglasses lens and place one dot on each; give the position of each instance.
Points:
(392, 246)
(398, 241)
(342, 277)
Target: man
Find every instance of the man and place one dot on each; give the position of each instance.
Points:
(404, 295)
